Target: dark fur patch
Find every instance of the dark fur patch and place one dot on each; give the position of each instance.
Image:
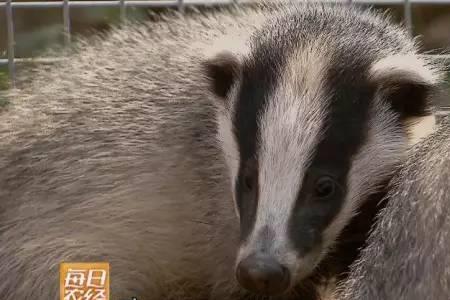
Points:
(222, 71)
(410, 99)
(345, 132)
(259, 78)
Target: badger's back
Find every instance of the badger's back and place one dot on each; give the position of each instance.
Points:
(408, 256)
(111, 156)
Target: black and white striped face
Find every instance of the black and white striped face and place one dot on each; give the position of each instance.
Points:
(309, 128)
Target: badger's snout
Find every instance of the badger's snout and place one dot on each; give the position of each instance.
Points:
(263, 274)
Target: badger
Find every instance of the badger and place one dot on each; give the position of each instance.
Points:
(224, 155)
(407, 254)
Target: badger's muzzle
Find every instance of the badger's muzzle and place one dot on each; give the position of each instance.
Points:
(263, 274)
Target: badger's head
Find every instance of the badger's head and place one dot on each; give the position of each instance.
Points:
(311, 121)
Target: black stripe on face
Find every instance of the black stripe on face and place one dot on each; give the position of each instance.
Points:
(345, 131)
(259, 79)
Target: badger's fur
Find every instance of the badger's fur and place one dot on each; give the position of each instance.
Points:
(408, 257)
(132, 150)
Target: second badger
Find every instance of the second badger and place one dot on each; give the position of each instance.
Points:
(407, 255)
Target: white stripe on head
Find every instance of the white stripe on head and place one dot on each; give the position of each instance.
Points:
(289, 131)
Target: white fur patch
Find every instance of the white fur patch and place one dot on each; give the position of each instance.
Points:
(236, 42)
(419, 128)
(408, 67)
(289, 131)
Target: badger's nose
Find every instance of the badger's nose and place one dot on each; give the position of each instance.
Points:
(262, 274)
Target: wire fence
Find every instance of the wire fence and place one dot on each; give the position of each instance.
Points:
(9, 6)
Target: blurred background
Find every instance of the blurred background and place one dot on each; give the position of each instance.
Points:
(38, 29)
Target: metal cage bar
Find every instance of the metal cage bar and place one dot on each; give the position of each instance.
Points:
(408, 16)
(10, 29)
(66, 20)
(10, 6)
(171, 3)
(180, 5)
(123, 11)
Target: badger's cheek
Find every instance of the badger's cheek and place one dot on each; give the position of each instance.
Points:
(306, 265)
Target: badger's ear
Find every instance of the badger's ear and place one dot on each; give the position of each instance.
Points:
(222, 70)
(407, 82)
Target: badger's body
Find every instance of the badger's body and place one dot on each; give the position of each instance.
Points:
(408, 256)
(132, 150)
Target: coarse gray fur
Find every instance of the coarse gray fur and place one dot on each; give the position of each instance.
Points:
(408, 257)
(111, 155)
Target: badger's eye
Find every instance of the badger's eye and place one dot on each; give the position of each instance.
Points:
(324, 187)
(248, 182)
(249, 176)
